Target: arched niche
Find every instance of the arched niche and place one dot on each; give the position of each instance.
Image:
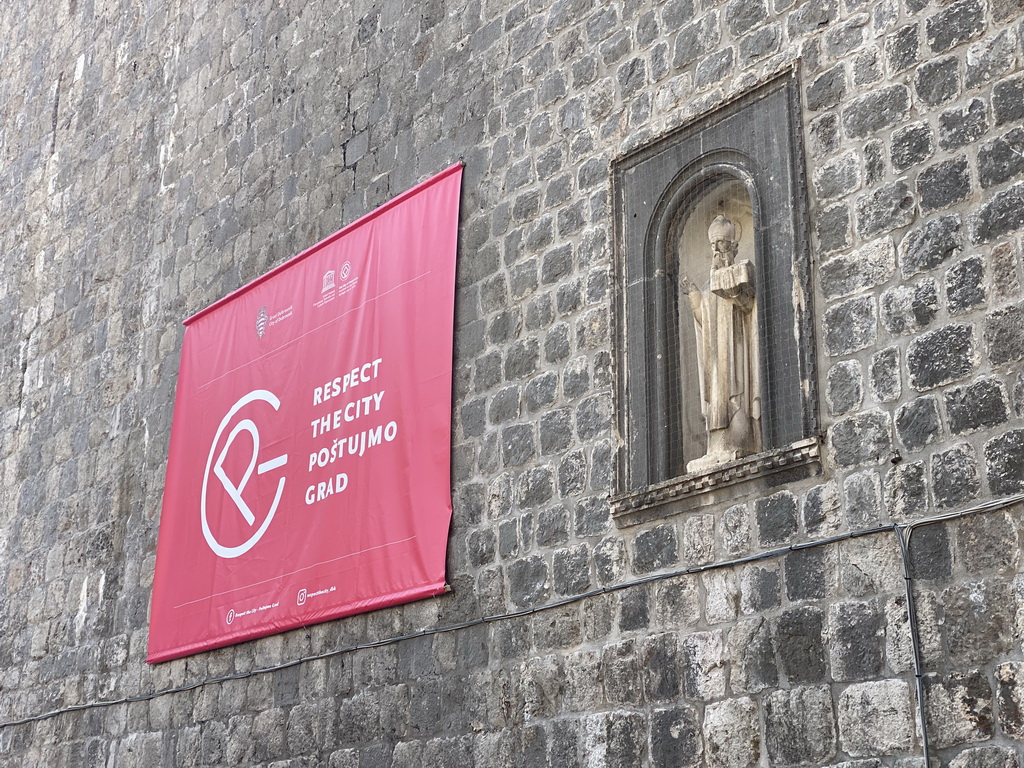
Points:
(720, 182)
(743, 160)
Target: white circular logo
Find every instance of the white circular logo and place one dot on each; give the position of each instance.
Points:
(234, 491)
(346, 270)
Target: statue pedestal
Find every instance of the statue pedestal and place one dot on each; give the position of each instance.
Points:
(736, 441)
(711, 460)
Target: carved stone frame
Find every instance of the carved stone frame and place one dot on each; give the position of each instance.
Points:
(755, 140)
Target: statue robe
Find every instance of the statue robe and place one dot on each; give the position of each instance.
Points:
(726, 335)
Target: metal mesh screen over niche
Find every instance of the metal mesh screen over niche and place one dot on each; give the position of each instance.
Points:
(745, 162)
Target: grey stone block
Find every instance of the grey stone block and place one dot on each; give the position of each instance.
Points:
(958, 23)
(926, 247)
(557, 345)
(806, 577)
(850, 326)
(860, 439)
(975, 406)
(1002, 159)
(528, 581)
(1004, 463)
(760, 44)
(522, 359)
(876, 718)
(827, 90)
(540, 392)
(801, 646)
(505, 405)
(863, 499)
(943, 184)
(1004, 334)
(800, 726)
(675, 737)
(703, 655)
(1003, 214)
(857, 632)
(1008, 100)
(909, 308)
(752, 645)
(912, 145)
(1010, 698)
(572, 474)
(837, 178)
(732, 733)
(535, 487)
(875, 111)
(941, 356)
(965, 285)
(593, 416)
(986, 757)
(571, 570)
(609, 560)
(866, 267)
(990, 59)
(902, 48)
(960, 126)
(930, 555)
(955, 476)
(655, 549)
(918, 424)
(811, 16)
(821, 508)
(518, 445)
(555, 431)
(714, 68)
(832, 228)
(938, 81)
(884, 374)
(823, 135)
(844, 391)
(981, 543)
(760, 589)
(660, 662)
(959, 708)
(776, 517)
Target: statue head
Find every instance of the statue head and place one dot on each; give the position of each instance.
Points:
(722, 236)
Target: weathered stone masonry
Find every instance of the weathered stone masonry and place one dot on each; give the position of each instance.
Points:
(154, 156)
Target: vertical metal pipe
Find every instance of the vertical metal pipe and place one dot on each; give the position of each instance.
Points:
(915, 639)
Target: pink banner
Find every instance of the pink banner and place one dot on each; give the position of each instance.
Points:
(309, 468)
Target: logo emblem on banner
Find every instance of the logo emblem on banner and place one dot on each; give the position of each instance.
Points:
(261, 322)
(235, 490)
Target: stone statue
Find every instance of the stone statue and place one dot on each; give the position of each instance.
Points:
(725, 321)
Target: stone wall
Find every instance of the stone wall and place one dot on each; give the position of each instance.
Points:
(156, 156)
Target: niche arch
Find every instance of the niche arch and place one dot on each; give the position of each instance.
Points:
(720, 182)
